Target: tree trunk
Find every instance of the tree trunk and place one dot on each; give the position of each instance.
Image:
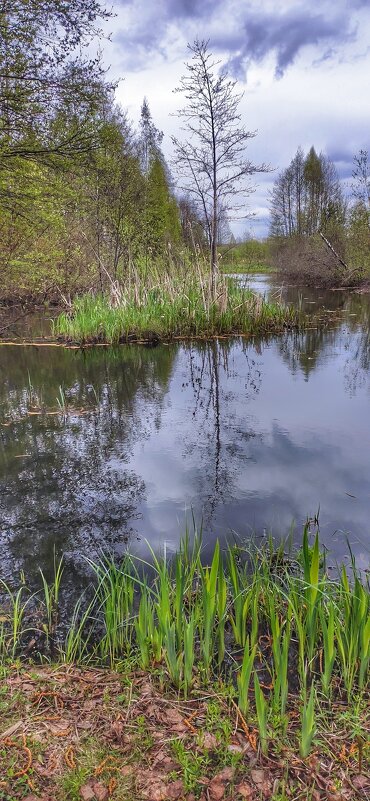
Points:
(214, 259)
(214, 269)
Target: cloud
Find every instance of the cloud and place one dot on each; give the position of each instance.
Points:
(189, 8)
(145, 30)
(287, 33)
(322, 50)
(248, 32)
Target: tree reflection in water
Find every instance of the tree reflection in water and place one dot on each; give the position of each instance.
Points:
(248, 434)
(67, 481)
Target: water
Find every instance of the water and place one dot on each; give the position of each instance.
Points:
(246, 435)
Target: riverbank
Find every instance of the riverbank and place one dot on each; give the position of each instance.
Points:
(88, 734)
(232, 268)
(164, 314)
(249, 257)
(246, 678)
(32, 318)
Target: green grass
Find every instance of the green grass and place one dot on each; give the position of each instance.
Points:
(256, 618)
(229, 266)
(177, 309)
(249, 669)
(251, 256)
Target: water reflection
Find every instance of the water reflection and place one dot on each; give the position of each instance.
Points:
(247, 435)
(67, 479)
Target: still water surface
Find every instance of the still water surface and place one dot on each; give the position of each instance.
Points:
(246, 435)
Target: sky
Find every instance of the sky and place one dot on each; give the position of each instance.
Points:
(304, 68)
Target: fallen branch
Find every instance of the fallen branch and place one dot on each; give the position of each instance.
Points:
(337, 256)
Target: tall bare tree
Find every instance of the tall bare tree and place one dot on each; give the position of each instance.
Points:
(211, 161)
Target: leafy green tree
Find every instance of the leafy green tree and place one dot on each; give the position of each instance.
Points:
(361, 179)
(150, 138)
(192, 224)
(359, 215)
(114, 188)
(161, 220)
(307, 198)
(162, 210)
(42, 69)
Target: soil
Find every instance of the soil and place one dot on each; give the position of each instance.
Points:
(70, 733)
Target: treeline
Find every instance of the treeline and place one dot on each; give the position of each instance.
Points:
(84, 198)
(87, 202)
(318, 234)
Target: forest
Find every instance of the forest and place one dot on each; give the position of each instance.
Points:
(184, 483)
(86, 200)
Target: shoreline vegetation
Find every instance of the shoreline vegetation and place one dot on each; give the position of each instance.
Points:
(175, 308)
(243, 678)
(249, 257)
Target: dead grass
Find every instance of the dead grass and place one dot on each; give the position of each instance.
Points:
(71, 733)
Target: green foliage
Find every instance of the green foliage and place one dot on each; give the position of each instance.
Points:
(249, 256)
(181, 308)
(115, 595)
(175, 623)
(308, 728)
(358, 239)
(261, 711)
(244, 677)
(307, 197)
(307, 202)
(161, 212)
(78, 207)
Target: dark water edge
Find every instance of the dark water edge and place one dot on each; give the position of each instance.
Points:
(101, 450)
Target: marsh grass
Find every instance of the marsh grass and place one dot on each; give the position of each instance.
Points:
(272, 625)
(177, 308)
(251, 256)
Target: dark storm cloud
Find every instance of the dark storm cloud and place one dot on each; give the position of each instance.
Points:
(250, 32)
(190, 8)
(145, 33)
(340, 154)
(286, 34)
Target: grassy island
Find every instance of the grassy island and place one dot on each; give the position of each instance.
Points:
(245, 678)
(174, 309)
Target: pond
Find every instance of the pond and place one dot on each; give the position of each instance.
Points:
(107, 449)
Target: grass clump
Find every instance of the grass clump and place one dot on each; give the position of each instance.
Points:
(258, 633)
(179, 308)
(251, 256)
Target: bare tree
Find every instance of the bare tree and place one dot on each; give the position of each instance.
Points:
(211, 162)
(306, 197)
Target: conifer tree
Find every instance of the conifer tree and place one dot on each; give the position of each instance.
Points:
(161, 214)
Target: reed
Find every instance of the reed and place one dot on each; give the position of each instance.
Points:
(243, 612)
(308, 727)
(12, 618)
(173, 308)
(327, 621)
(114, 596)
(51, 597)
(261, 712)
(244, 677)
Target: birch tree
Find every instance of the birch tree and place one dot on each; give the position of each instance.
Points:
(211, 160)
